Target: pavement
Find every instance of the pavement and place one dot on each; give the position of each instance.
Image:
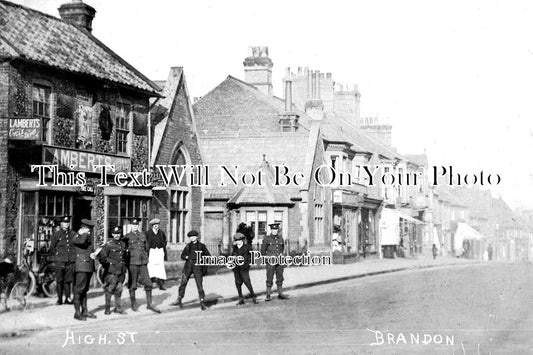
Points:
(43, 314)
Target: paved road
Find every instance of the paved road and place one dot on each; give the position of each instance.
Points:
(476, 309)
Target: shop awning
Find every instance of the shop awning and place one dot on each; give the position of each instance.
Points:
(465, 232)
(408, 218)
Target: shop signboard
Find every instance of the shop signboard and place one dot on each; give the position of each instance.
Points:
(82, 160)
(24, 128)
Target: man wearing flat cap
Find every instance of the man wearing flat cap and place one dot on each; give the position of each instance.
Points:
(273, 245)
(138, 270)
(242, 272)
(191, 258)
(83, 246)
(157, 253)
(113, 259)
(62, 249)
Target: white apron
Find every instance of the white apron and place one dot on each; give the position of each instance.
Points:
(156, 263)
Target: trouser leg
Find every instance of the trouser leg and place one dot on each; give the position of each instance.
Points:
(198, 277)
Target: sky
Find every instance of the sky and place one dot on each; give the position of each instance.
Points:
(454, 78)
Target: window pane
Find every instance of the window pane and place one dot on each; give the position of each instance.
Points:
(250, 217)
(113, 206)
(262, 216)
(29, 203)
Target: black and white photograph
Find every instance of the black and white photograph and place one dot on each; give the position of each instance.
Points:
(275, 177)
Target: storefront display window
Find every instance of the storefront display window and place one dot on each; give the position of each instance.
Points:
(122, 209)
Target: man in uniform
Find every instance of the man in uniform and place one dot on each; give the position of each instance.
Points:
(242, 272)
(138, 271)
(157, 255)
(191, 260)
(273, 245)
(62, 250)
(113, 258)
(83, 245)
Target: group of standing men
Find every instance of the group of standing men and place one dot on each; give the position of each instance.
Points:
(142, 256)
(139, 254)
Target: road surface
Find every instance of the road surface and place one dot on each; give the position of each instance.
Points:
(475, 309)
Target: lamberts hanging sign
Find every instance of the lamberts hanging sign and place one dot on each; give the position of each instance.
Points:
(25, 129)
(81, 160)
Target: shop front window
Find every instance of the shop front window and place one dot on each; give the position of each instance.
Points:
(123, 209)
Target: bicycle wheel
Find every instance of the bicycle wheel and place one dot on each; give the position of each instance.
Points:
(19, 292)
(31, 284)
(48, 282)
(100, 275)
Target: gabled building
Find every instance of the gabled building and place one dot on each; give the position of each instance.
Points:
(66, 99)
(175, 142)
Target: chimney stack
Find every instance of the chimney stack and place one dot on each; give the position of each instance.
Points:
(78, 13)
(258, 69)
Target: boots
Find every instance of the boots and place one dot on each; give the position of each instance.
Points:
(281, 296)
(203, 307)
(178, 302)
(118, 305)
(107, 304)
(149, 304)
(85, 312)
(59, 289)
(269, 291)
(241, 298)
(254, 298)
(134, 306)
(67, 293)
(77, 307)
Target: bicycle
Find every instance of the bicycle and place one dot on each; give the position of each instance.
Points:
(16, 283)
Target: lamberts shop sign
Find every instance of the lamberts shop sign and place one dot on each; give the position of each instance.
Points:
(28, 129)
(81, 160)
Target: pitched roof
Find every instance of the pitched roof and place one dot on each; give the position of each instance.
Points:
(418, 159)
(265, 194)
(162, 110)
(248, 151)
(335, 128)
(32, 35)
(234, 106)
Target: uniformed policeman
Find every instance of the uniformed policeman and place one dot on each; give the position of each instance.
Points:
(62, 250)
(242, 272)
(138, 271)
(273, 245)
(191, 267)
(83, 245)
(113, 259)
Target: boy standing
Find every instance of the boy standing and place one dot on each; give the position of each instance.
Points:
(242, 272)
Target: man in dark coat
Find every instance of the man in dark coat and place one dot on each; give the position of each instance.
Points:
(247, 231)
(113, 259)
(83, 245)
(157, 239)
(62, 249)
(138, 271)
(273, 245)
(242, 272)
(191, 260)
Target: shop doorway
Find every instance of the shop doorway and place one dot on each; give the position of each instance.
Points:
(82, 209)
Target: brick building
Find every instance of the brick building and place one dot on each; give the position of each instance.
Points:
(242, 125)
(67, 100)
(175, 142)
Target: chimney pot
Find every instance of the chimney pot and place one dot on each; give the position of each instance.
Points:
(78, 13)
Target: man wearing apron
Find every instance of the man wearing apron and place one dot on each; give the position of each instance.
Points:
(157, 244)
